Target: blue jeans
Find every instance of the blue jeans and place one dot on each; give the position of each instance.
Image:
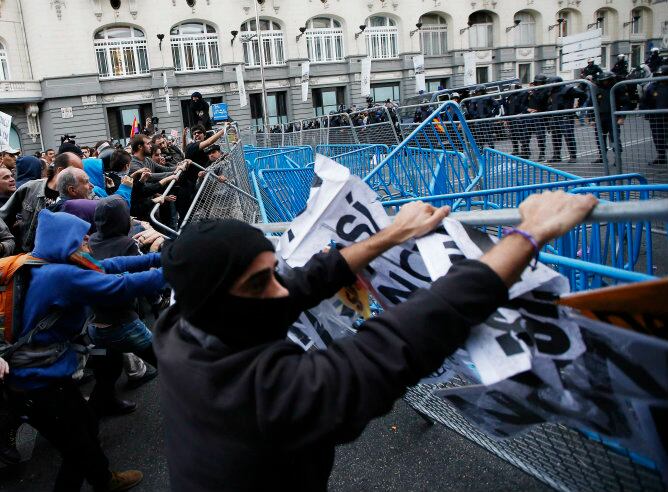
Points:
(129, 337)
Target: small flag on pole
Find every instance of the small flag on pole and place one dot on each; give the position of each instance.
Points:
(134, 130)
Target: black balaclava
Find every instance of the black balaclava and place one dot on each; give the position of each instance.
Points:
(203, 263)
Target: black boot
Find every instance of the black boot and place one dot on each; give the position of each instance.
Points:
(9, 454)
(111, 407)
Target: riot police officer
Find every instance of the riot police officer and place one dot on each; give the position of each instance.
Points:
(515, 104)
(621, 68)
(655, 98)
(591, 71)
(483, 108)
(654, 60)
(604, 84)
(562, 98)
(537, 103)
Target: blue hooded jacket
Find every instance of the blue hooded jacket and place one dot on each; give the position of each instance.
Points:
(94, 169)
(72, 289)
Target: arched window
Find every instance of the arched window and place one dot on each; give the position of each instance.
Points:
(121, 52)
(382, 37)
(481, 31)
(643, 25)
(272, 41)
(568, 26)
(194, 47)
(324, 40)
(525, 32)
(4, 68)
(434, 35)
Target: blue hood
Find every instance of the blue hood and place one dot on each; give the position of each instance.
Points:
(58, 235)
(27, 168)
(93, 168)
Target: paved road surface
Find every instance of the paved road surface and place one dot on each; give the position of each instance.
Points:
(398, 452)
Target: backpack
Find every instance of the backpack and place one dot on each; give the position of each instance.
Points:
(14, 277)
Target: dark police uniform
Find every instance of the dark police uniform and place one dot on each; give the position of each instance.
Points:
(515, 104)
(563, 98)
(537, 99)
(656, 98)
(623, 103)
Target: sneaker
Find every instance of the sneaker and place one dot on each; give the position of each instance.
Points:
(124, 480)
(150, 373)
(9, 454)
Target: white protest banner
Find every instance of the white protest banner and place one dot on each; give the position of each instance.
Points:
(243, 99)
(418, 67)
(5, 127)
(168, 104)
(366, 77)
(469, 68)
(576, 49)
(304, 80)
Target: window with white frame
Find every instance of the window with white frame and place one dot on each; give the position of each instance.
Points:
(434, 35)
(324, 40)
(524, 73)
(525, 32)
(272, 43)
(121, 52)
(604, 24)
(643, 24)
(4, 67)
(194, 47)
(481, 30)
(383, 92)
(382, 37)
(565, 26)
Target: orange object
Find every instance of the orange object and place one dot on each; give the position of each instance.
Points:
(134, 130)
(641, 306)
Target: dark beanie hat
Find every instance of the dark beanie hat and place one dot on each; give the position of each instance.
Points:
(70, 147)
(207, 258)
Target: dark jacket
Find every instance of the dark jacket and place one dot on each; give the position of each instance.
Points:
(268, 417)
(28, 168)
(20, 211)
(6, 241)
(112, 219)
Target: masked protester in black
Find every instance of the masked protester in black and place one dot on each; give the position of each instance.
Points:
(246, 409)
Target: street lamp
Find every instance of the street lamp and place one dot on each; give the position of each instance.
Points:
(362, 28)
(419, 26)
(635, 19)
(516, 23)
(599, 20)
(302, 30)
(463, 30)
(560, 21)
(234, 36)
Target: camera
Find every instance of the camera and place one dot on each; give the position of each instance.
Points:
(67, 138)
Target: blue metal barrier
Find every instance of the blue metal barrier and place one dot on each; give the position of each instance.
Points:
(504, 170)
(284, 192)
(284, 159)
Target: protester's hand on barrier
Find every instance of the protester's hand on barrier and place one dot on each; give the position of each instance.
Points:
(168, 179)
(170, 198)
(531, 110)
(221, 179)
(620, 121)
(127, 181)
(158, 199)
(157, 244)
(108, 182)
(201, 174)
(551, 214)
(149, 236)
(4, 368)
(416, 219)
(144, 176)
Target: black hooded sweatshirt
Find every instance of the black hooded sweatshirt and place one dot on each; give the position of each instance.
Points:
(112, 219)
(268, 417)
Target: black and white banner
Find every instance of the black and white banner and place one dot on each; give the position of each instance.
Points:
(530, 362)
(305, 79)
(243, 98)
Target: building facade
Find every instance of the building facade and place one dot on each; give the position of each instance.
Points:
(89, 67)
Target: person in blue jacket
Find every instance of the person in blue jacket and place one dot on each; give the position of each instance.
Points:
(94, 169)
(43, 391)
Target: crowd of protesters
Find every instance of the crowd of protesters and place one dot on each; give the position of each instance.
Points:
(85, 211)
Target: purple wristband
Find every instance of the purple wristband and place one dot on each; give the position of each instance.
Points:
(528, 237)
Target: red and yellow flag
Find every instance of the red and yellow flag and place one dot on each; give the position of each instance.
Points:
(134, 130)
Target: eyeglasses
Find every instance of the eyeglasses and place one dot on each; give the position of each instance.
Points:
(198, 133)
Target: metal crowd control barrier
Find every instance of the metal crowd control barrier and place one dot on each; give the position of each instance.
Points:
(282, 159)
(570, 137)
(444, 94)
(642, 137)
(565, 458)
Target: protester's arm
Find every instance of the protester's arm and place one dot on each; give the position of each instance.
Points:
(326, 273)
(4, 368)
(125, 190)
(121, 264)
(6, 240)
(212, 139)
(104, 289)
(303, 398)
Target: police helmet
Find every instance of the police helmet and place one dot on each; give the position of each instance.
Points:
(590, 60)
(605, 77)
(621, 56)
(455, 95)
(655, 49)
(479, 89)
(662, 71)
(554, 80)
(540, 78)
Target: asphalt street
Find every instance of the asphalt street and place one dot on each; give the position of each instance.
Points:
(398, 452)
